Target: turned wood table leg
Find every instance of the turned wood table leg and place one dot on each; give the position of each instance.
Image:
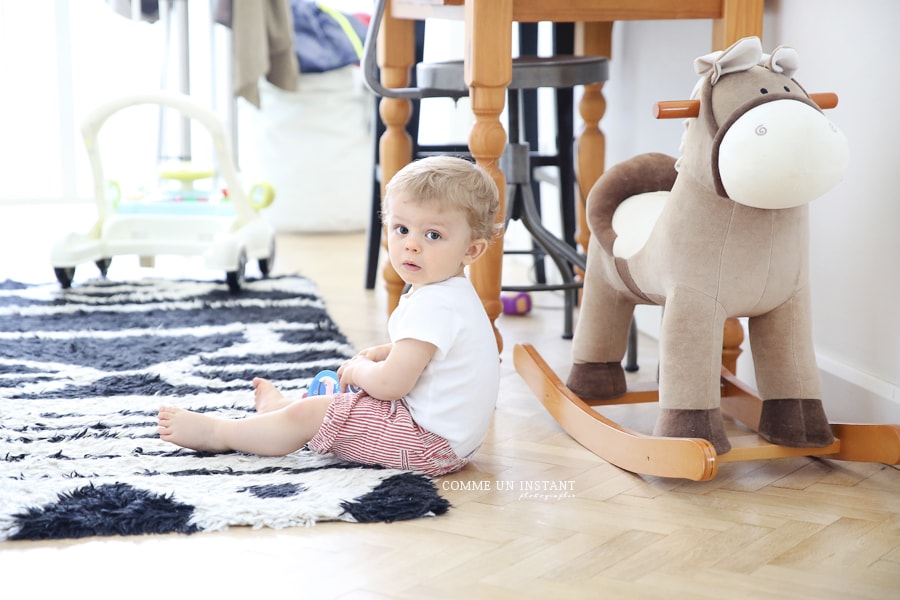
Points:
(395, 146)
(739, 19)
(488, 61)
(486, 142)
(591, 39)
(731, 344)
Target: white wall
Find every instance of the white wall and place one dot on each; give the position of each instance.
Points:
(855, 247)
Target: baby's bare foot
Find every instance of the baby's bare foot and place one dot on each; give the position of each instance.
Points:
(190, 430)
(267, 397)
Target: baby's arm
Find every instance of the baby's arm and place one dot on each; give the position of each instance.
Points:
(393, 377)
(376, 353)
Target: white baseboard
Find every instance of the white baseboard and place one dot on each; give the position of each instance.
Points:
(852, 395)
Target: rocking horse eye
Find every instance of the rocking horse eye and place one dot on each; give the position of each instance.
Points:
(787, 89)
(763, 91)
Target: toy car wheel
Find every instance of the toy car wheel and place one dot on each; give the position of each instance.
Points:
(65, 275)
(235, 279)
(265, 264)
(103, 265)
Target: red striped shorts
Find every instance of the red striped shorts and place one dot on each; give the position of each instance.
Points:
(359, 428)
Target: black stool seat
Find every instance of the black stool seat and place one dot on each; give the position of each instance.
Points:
(446, 78)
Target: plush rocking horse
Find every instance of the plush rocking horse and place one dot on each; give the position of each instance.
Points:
(721, 233)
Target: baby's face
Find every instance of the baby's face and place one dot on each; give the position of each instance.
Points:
(427, 245)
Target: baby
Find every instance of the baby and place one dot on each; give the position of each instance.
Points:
(428, 396)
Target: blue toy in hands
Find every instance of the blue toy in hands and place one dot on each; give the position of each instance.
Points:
(327, 383)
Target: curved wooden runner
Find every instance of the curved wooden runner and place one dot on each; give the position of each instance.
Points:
(688, 458)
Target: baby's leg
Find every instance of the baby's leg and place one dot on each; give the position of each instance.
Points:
(274, 433)
(267, 397)
(191, 430)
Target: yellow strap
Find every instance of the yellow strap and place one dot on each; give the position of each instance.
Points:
(346, 26)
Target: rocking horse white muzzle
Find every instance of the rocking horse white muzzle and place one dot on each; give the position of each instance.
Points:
(780, 154)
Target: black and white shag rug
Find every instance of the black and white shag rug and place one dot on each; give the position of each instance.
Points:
(83, 372)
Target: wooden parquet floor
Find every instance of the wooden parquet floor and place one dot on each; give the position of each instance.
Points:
(535, 516)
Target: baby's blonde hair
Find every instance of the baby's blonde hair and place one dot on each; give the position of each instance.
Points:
(450, 183)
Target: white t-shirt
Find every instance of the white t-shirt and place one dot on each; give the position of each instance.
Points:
(456, 394)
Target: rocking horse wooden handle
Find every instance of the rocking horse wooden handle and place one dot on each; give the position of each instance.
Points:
(686, 109)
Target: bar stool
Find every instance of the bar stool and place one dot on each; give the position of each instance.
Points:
(445, 79)
(529, 73)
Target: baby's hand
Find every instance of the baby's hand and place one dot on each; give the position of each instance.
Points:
(346, 373)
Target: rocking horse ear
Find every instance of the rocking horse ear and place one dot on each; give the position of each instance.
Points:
(783, 59)
(740, 56)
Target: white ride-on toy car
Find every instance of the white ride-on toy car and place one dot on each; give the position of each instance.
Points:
(223, 226)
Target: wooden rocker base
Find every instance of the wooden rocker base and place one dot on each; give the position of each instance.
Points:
(688, 458)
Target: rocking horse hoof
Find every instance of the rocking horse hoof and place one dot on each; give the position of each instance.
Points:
(597, 381)
(796, 423)
(683, 423)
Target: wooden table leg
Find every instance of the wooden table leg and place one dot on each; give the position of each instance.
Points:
(732, 338)
(395, 58)
(740, 19)
(591, 39)
(488, 72)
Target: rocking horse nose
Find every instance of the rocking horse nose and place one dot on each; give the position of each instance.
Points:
(781, 154)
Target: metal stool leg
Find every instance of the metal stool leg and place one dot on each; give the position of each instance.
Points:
(631, 364)
(515, 165)
(521, 204)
